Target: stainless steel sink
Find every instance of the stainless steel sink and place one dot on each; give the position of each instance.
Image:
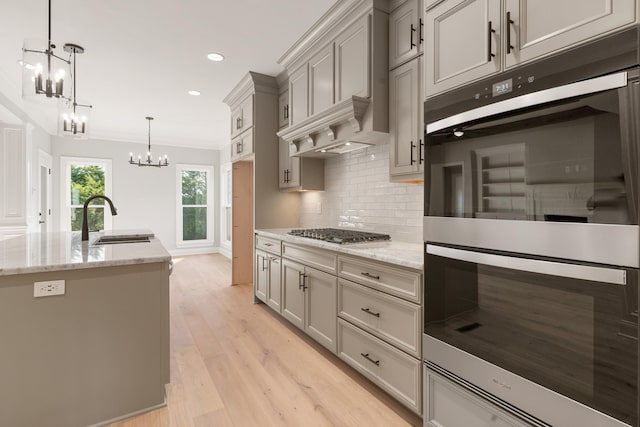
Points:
(115, 240)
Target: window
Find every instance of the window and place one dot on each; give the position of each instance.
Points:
(226, 197)
(81, 179)
(194, 205)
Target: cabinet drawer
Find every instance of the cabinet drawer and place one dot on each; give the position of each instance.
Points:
(394, 320)
(320, 259)
(268, 244)
(390, 368)
(395, 281)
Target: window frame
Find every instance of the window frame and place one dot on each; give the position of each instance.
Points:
(180, 242)
(65, 185)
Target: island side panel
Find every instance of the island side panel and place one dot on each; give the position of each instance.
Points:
(98, 352)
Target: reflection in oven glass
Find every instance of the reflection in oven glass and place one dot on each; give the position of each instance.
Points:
(578, 338)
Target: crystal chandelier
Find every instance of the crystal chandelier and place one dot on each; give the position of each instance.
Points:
(43, 71)
(148, 161)
(73, 117)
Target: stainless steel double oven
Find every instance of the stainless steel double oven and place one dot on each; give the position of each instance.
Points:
(532, 238)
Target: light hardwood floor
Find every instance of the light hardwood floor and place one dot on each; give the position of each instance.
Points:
(235, 363)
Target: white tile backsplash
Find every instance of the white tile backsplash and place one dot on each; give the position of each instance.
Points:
(358, 194)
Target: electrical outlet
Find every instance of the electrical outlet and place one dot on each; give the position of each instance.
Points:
(48, 288)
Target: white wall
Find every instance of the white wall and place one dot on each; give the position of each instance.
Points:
(145, 197)
(358, 194)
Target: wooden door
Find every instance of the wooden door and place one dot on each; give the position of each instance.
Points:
(242, 220)
(404, 110)
(292, 292)
(542, 27)
(463, 43)
(321, 290)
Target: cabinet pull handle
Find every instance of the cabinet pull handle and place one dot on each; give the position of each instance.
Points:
(304, 282)
(421, 31)
(286, 111)
(238, 123)
(264, 267)
(413, 30)
(368, 311)
(268, 244)
(490, 33)
(412, 147)
(366, 356)
(420, 153)
(509, 24)
(300, 276)
(274, 260)
(370, 275)
(284, 176)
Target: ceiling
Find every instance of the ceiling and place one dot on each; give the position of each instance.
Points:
(142, 56)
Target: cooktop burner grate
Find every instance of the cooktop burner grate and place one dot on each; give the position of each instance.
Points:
(340, 236)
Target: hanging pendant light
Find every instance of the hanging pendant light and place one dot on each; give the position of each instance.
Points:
(148, 161)
(73, 118)
(43, 71)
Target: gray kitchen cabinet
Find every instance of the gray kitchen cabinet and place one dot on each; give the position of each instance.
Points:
(274, 285)
(299, 94)
(352, 61)
(309, 301)
(406, 33)
(536, 28)
(242, 146)
(321, 80)
(242, 117)
(296, 174)
(283, 109)
(463, 43)
(471, 39)
(406, 108)
(267, 278)
(261, 275)
(447, 404)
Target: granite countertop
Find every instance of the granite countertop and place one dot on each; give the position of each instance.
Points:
(404, 254)
(42, 252)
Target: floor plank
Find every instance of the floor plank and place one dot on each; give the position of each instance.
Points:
(236, 363)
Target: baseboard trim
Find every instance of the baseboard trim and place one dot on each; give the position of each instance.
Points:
(225, 251)
(194, 251)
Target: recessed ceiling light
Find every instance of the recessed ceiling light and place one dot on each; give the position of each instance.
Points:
(194, 92)
(215, 57)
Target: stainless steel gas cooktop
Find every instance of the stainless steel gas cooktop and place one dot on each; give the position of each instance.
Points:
(340, 236)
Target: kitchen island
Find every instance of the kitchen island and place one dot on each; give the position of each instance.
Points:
(96, 353)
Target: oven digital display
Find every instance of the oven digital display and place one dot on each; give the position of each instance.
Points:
(502, 87)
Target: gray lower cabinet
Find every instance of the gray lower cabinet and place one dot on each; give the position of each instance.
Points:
(267, 281)
(274, 285)
(261, 275)
(309, 301)
(447, 404)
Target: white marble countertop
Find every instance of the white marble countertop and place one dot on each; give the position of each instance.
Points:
(42, 252)
(399, 253)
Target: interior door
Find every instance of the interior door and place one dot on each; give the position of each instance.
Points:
(44, 192)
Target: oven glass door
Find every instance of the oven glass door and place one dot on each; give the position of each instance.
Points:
(572, 328)
(561, 160)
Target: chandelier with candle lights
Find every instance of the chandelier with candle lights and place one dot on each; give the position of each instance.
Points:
(148, 161)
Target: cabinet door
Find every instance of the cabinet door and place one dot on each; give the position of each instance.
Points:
(463, 43)
(283, 110)
(449, 405)
(262, 275)
(289, 167)
(236, 121)
(299, 95)
(321, 80)
(544, 26)
(321, 301)
(404, 110)
(245, 144)
(236, 151)
(292, 292)
(352, 61)
(247, 113)
(274, 284)
(405, 33)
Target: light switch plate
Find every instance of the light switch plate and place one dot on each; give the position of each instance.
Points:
(48, 288)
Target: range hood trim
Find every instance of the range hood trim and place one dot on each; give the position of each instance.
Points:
(350, 110)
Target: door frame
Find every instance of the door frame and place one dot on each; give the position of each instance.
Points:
(45, 160)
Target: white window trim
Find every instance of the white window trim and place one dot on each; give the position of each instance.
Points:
(180, 243)
(65, 183)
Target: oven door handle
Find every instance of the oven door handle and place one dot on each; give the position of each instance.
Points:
(598, 84)
(584, 272)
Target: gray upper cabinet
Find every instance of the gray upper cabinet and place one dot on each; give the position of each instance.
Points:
(299, 94)
(471, 39)
(321, 80)
(352, 65)
(463, 43)
(536, 28)
(406, 33)
(405, 119)
(283, 109)
(242, 117)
